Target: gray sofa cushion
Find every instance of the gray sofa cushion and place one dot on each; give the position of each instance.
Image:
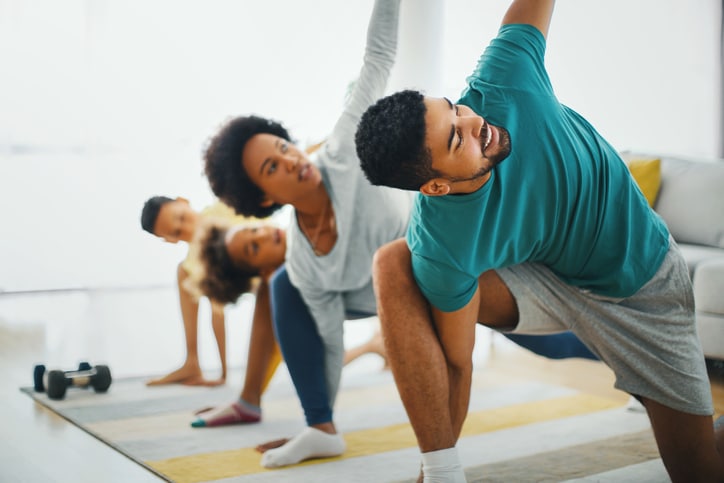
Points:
(692, 200)
(696, 254)
(708, 285)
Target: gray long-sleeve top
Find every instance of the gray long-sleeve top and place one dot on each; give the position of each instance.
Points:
(366, 216)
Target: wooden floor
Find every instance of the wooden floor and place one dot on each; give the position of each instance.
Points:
(139, 333)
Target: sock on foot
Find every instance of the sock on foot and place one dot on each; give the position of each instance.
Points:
(442, 466)
(310, 443)
(238, 412)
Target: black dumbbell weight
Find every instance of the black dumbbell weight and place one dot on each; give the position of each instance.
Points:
(97, 377)
(39, 375)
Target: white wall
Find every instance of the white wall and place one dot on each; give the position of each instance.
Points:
(646, 73)
(106, 102)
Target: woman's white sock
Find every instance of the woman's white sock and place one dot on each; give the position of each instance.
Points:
(310, 443)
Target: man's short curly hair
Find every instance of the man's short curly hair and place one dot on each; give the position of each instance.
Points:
(224, 280)
(227, 177)
(390, 142)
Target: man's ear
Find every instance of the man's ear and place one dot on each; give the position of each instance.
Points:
(182, 199)
(436, 187)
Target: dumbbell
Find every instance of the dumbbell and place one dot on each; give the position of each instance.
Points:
(57, 382)
(39, 375)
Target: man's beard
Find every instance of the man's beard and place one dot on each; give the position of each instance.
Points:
(493, 160)
(503, 148)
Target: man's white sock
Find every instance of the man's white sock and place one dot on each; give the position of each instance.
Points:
(442, 466)
(310, 443)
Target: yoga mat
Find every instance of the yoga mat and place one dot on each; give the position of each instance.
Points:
(517, 430)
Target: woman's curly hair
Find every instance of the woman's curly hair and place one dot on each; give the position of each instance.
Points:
(223, 281)
(223, 166)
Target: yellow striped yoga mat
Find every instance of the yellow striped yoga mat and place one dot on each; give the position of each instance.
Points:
(516, 430)
(244, 461)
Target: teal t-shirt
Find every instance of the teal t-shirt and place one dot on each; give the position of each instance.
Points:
(563, 197)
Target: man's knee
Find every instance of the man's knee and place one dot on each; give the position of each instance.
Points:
(392, 255)
(391, 265)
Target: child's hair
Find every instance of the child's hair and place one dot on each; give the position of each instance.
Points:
(221, 280)
(151, 209)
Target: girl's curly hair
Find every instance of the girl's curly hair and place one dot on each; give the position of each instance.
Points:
(224, 280)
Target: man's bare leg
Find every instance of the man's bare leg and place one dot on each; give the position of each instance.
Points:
(687, 444)
(421, 370)
(417, 360)
(190, 373)
(413, 350)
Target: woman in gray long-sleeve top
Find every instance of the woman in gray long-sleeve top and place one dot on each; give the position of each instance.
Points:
(340, 221)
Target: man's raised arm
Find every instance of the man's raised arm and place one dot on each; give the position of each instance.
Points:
(537, 13)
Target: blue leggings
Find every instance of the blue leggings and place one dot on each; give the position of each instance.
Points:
(301, 347)
(303, 350)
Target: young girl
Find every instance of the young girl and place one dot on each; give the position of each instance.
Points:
(236, 260)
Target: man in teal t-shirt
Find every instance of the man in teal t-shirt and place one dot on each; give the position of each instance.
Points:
(537, 206)
(528, 221)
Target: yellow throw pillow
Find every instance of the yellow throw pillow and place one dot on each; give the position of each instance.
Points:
(647, 173)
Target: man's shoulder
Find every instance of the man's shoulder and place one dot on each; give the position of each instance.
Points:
(426, 218)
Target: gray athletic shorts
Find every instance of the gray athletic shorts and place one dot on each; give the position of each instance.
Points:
(649, 339)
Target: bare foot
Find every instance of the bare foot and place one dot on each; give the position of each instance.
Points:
(375, 346)
(264, 447)
(188, 374)
(214, 382)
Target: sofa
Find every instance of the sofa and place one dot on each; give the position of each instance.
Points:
(689, 195)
